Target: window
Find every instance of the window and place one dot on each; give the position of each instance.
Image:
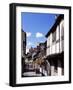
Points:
(62, 32)
(62, 36)
(48, 42)
(54, 36)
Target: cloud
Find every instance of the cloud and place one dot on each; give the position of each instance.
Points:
(38, 35)
(28, 34)
(29, 44)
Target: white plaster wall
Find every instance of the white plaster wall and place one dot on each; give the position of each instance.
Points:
(50, 39)
(62, 22)
(48, 44)
(61, 46)
(57, 32)
(53, 48)
(57, 38)
(57, 47)
(48, 51)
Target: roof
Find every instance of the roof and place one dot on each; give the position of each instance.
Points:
(58, 20)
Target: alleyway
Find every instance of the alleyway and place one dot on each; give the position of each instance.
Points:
(31, 72)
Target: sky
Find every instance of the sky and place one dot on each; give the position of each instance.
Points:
(36, 26)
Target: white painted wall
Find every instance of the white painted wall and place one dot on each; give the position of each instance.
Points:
(57, 32)
(48, 51)
(55, 47)
(50, 39)
(61, 41)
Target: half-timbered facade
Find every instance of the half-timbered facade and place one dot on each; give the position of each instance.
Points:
(55, 47)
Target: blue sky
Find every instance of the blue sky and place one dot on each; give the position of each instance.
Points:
(36, 25)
